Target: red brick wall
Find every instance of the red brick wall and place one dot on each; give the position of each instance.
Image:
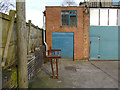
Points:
(86, 34)
(53, 24)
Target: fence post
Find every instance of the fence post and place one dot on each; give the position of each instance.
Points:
(28, 42)
(37, 37)
(22, 44)
(1, 38)
(8, 38)
(0, 51)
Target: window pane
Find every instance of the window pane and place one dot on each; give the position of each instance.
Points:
(94, 17)
(72, 20)
(103, 17)
(112, 17)
(65, 19)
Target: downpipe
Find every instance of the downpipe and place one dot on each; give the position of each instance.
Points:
(44, 34)
(45, 42)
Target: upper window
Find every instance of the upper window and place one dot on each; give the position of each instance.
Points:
(69, 17)
(94, 17)
(113, 17)
(104, 17)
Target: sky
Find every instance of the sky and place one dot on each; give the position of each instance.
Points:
(35, 8)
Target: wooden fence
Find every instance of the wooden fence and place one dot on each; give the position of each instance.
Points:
(8, 47)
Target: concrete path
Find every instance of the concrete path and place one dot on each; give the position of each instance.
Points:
(79, 74)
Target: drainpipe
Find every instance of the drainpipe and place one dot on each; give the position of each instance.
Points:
(44, 32)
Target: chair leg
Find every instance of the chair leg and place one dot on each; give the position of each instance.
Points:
(57, 67)
(52, 69)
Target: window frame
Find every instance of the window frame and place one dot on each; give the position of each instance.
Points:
(69, 16)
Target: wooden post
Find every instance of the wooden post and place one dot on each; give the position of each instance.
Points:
(28, 42)
(57, 67)
(0, 39)
(41, 40)
(8, 38)
(52, 69)
(0, 52)
(38, 40)
(22, 44)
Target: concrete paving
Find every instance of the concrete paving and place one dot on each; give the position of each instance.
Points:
(79, 74)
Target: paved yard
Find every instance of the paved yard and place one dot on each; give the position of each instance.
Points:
(79, 74)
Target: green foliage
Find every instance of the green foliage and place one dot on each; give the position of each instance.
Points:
(13, 78)
(30, 85)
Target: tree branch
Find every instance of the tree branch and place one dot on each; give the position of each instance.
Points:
(6, 6)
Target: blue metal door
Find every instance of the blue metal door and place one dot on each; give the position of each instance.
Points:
(94, 47)
(108, 46)
(65, 42)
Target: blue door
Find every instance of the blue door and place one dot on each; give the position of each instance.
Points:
(94, 47)
(65, 42)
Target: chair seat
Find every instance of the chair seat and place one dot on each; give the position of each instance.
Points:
(53, 56)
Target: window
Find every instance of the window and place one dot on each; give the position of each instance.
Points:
(69, 17)
(104, 17)
(65, 18)
(94, 17)
(112, 17)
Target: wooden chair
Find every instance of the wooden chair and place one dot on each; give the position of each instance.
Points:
(52, 55)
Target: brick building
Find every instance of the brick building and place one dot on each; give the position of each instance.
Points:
(67, 28)
(103, 28)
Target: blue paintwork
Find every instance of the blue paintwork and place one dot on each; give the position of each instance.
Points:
(65, 42)
(108, 41)
(116, 2)
(94, 47)
(119, 43)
